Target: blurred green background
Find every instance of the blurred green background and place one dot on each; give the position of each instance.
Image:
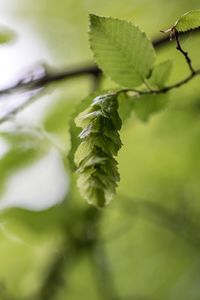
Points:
(147, 240)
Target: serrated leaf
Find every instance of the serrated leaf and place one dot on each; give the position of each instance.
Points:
(147, 105)
(161, 73)
(188, 21)
(121, 49)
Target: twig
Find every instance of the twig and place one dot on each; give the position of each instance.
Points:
(165, 89)
(185, 54)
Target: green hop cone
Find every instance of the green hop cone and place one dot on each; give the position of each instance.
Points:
(100, 141)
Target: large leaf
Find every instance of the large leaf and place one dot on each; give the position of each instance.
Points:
(122, 51)
(188, 21)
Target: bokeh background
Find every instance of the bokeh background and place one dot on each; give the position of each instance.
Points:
(148, 237)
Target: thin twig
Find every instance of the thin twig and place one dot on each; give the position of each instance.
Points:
(185, 54)
(165, 89)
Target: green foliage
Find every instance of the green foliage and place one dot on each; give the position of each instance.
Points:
(188, 21)
(161, 73)
(127, 56)
(147, 105)
(122, 51)
(126, 105)
(159, 192)
(97, 169)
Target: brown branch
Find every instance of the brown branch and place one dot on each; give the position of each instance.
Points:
(51, 77)
(55, 76)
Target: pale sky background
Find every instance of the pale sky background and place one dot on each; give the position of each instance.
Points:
(15, 58)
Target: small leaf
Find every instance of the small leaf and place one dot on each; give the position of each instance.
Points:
(188, 21)
(161, 73)
(122, 51)
(147, 105)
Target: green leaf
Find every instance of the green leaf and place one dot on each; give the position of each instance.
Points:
(188, 21)
(122, 51)
(161, 73)
(97, 169)
(147, 105)
(126, 105)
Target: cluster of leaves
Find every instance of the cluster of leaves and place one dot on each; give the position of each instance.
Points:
(125, 54)
(97, 168)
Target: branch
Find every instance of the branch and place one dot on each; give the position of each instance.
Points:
(185, 54)
(50, 77)
(195, 73)
(54, 76)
